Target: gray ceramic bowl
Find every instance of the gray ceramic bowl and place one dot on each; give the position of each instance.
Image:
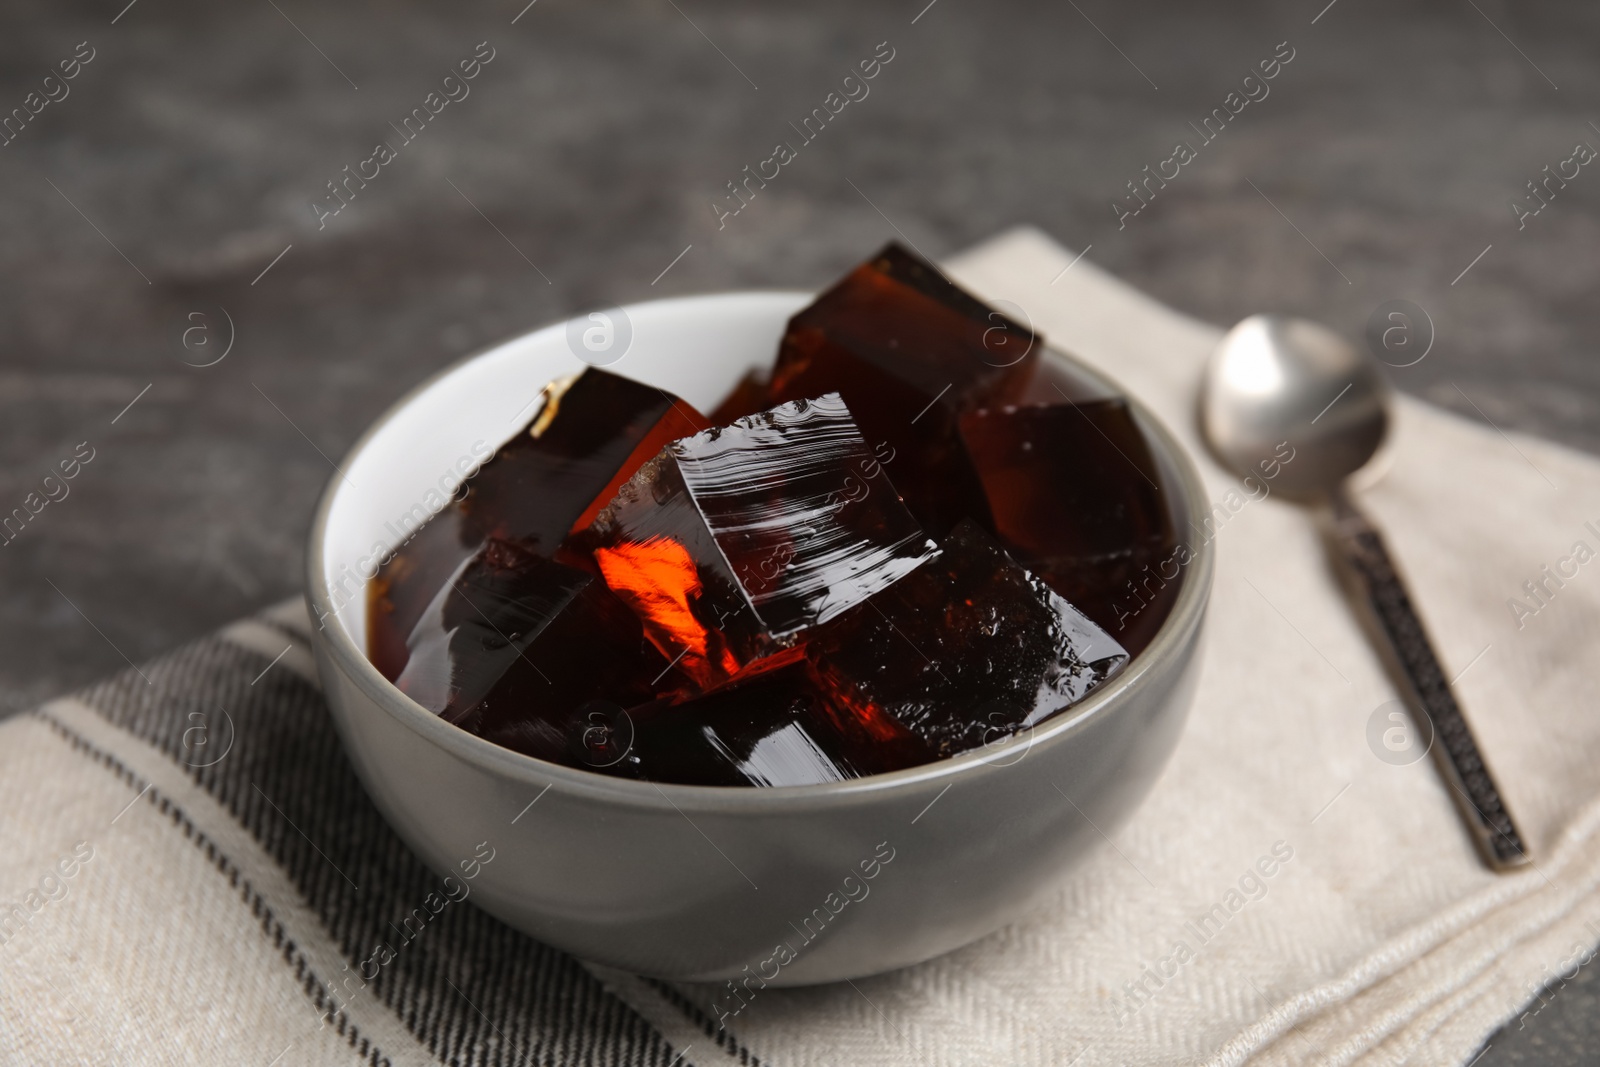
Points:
(803, 884)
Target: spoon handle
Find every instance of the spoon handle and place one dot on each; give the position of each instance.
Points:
(1456, 751)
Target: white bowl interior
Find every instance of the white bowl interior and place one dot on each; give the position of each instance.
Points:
(414, 458)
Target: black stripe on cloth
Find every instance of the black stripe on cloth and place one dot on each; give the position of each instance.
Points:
(474, 991)
(722, 1036)
(271, 927)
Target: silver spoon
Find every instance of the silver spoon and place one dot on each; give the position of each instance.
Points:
(1274, 379)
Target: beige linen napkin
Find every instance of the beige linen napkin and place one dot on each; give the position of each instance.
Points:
(190, 872)
(1380, 939)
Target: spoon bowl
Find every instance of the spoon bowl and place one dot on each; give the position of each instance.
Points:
(1274, 379)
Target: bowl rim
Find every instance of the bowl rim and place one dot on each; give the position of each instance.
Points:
(340, 649)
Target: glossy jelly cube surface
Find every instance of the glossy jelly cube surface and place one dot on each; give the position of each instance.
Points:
(515, 645)
(967, 649)
(1074, 492)
(732, 541)
(583, 437)
(909, 352)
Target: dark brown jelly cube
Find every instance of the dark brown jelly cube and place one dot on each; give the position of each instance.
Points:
(731, 541)
(587, 435)
(406, 585)
(1074, 492)
(770, 726)
(515, 644)
(1133, 593)
(966, 649)
(909, 351)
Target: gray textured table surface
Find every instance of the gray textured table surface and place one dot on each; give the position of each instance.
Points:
(189, 149)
